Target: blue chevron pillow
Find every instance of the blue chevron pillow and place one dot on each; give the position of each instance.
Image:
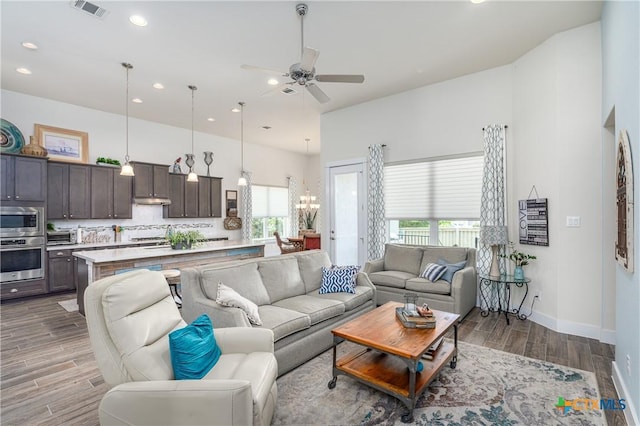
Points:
(339, 279)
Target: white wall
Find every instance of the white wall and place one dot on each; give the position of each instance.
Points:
(621, 91)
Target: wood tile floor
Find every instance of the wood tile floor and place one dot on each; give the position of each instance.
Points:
(49, 375)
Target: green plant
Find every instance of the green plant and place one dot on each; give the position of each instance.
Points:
(51, 227)
(309, 218)
(518, 257)
(185, 239)
(107, 160)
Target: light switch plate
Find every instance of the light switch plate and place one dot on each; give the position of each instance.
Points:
(573, 221)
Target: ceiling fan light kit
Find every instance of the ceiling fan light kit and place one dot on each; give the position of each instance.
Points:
(303, 73)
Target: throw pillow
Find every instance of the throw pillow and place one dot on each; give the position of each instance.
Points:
(193, 349)
(339, 279)
(452, 268)
(229, 297)
(433, 272)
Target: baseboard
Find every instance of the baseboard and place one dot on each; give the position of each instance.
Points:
(608, 336)
(630, 413)
(574, 328)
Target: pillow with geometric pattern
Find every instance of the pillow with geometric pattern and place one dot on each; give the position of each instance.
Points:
(339, 279)
(433, 272)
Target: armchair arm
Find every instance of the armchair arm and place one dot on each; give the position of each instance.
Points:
(376, 265)
(244, 340)
(464, 289)
(178, 402)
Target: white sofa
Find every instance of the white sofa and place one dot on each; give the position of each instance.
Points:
(286, 290)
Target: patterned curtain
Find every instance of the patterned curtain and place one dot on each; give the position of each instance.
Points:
(247, 215)
(493, 206)
(293, 212)
(376, 235)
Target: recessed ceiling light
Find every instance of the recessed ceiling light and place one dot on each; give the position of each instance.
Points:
(235, 109)
(272, 82)
(266, 127)
(136, 100)
(158, 86)
(23, 70)
(211, 119)
(477, 1)
(29, 45)
(138, 20)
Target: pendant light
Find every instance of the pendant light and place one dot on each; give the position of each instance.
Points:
(242, 181)
(127, 169)
(192, 177)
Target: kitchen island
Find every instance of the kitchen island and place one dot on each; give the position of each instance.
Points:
(96, 264)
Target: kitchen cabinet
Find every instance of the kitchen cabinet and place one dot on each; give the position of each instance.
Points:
(24, 179)
(110, 193)
(185, 197)
(61, 275)
(151, 180)
(68, 191)
(209, 196)
(190, 199)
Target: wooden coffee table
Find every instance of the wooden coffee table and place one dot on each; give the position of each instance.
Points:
(388, 359)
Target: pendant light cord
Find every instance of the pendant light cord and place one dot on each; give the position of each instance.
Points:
(242, 136)
(127, 66)
(193, 90)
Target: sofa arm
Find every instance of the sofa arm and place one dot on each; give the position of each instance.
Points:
(363, 280)
(178, 402)
(464, 290)
(244, 340)
(221, 316)
(376, 265)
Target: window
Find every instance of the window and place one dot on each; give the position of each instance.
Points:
(270, 211)
(434, 202)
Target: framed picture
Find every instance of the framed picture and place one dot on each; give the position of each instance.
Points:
(232, 203)
(533, 222)
(71, 146)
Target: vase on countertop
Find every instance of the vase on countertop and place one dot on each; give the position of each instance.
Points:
(518, 273)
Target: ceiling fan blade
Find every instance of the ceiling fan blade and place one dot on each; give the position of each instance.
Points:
(340, 78)
(317, 93)
(309, 58)
(270, 71)
(276, 89)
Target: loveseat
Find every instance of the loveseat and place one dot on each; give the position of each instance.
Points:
(398, 273)
(286, 290)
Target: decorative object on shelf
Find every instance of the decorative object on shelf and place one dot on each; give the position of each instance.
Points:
(12, 140)
(232, 223)
(520, 259)
(232, 203)
(494, 236)
(71, 146)
(624, 203)
(208, 159)
(307, 208)
(183, 240)
(33, 149)
(127, 169)
(176, 166)
(533, 220)
(192, 176)
(106, 161)
(242, 181)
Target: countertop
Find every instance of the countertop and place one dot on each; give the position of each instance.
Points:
(133, 253)
(102, 245)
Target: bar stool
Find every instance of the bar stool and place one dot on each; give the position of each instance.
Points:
(173, 279)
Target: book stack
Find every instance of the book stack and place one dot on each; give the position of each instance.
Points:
(429, 354)
(420, 321)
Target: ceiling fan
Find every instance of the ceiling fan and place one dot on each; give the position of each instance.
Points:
(304, 72)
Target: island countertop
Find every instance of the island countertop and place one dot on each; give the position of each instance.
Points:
(150, 252)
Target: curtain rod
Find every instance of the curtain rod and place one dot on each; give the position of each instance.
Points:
(505, 126)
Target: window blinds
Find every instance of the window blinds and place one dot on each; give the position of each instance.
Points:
(436, 189)
(269, 201)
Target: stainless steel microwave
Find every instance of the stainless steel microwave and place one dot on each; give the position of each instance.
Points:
(21, 221)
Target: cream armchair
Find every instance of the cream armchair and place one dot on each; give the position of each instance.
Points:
(129, 317)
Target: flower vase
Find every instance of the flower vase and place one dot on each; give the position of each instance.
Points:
(208, 159)
(518, 273)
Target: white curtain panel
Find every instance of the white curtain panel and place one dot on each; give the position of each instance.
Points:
(376, 234)
(247, 215)
(293, 212)
(493, 203)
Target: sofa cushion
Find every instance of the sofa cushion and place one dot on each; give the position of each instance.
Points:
(339, 279)
(350, 301)
(452, 268)
(423, 285)
(450, 254)
(318, 309)
(282, 321)
(281, 277)
(404, 259)
(228, 297)
(433, 272)
(310, 265)
(244, 279)
(193, 348)
(390, 278)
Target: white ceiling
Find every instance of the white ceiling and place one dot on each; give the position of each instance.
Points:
(398, 46)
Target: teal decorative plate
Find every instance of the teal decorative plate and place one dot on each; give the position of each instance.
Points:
(12, 139)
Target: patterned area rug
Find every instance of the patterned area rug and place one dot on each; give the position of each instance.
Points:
(488, 387)
(70, 305)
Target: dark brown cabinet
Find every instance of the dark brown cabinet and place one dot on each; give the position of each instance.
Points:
(110, 194)
(209, 197)
(61, 274)
(24, 179)
(177, 196)
(194, 199)
(68, 188)
(151, 180)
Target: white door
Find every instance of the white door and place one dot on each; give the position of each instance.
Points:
(347, 236)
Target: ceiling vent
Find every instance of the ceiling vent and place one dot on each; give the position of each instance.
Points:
(288, 91)
(90, 8)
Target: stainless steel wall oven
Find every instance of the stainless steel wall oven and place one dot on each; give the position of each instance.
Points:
(22, 243)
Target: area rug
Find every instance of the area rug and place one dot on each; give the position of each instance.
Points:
(488, 387)
(70, 305)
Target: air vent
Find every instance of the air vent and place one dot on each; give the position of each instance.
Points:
(288, 91)
(90, 8)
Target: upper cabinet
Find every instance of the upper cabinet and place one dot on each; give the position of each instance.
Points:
(23, 179)
(151, 180)
(209, 197)
(69, 191)
(110, 193)
(194, 199)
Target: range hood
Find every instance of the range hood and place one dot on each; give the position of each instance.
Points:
(150, 201)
